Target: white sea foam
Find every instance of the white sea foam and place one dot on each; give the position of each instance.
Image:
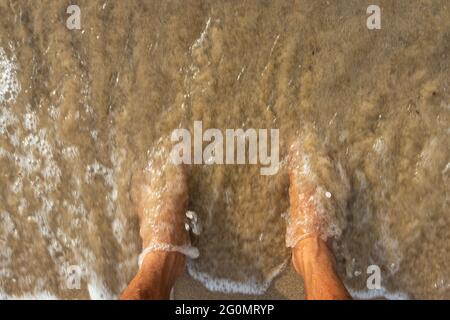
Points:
(251, 286)
(187, 250)
(42, 295)
(53, 112)
(378, 293)
(7, 225)
(30, 121)
(7, 119)
(70, 152)
(98, 290)
(9, 85)
(201, 39)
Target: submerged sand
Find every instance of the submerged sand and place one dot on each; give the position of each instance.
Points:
(81, 110)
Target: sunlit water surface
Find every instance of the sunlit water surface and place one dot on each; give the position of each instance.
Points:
(81, 110)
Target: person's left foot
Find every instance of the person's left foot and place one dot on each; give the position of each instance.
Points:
(304, 219)
(318, 192)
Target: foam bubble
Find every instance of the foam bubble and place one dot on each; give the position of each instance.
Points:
(53, 112)
(193, 223)
(70, 152)
(8, 225)
(30, 121)
(7, 119)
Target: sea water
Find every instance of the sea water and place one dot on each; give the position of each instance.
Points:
(81, 110)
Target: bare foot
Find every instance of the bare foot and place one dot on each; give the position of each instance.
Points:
(318, 191)
(160, 196)
(304, 220)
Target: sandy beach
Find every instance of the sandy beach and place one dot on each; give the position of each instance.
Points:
(83, 109)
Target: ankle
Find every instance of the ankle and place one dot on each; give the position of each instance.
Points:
(312, 251)
(161, 269)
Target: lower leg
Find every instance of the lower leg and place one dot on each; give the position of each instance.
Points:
(315, 262)
(156, 276)
(160, 197)
(310, 214)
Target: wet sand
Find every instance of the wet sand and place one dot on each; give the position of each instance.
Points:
(81, 110)
(287, 286)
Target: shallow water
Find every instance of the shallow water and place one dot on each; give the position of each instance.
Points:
(81, 110)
